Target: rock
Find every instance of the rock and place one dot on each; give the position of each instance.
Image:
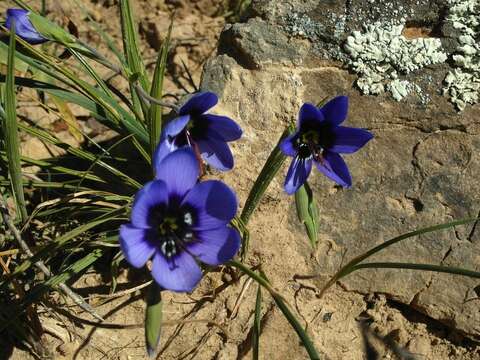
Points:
(421, 169)
(257, 43)
(420, 346)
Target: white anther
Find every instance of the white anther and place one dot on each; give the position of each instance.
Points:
(187, 218)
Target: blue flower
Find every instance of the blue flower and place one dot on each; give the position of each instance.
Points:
(207, 134)
(178, 222)
(23, 26)
(319, 139)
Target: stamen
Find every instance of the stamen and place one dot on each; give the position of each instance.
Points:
(168, 247)
(188, 237)
(187, 218)
(175, 234)
(316, 152)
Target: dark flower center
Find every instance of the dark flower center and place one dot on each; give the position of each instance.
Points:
(195, 129)
(174, 233)
(309, 144)
(312, 142)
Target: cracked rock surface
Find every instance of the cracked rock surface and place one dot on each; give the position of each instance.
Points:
(421, 169)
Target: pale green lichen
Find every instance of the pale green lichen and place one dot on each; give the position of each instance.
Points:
(463, 82)
(381, 54)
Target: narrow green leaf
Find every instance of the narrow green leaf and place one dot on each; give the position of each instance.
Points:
(262, 280)
(22, 4)
(257, 324)
(101, 156)
(10, 130)
(91, 71)
(238, 224)
(132, 53)
(20, 66)
(269, 170)
(107, 38)
(322, 102)
(60, 169)
(63, 239)
(307, 212)
(46, 184)
(82, 154)
(77, 268)
(302, 334)
(153, 319)
(155, 116)
(74, 269)
(346, 269)
(413, 266)
(114, 268)
(115, 111)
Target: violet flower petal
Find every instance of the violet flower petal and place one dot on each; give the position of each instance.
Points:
(335, 168)
(297, 174)
(335, 111)
(347, 140)
(136, 244)
(181, 274)
(153, 194)
(216, 153)
(217, 246)
(287, 145)
(179, 170)
(215, 204)
(309, 115)
(163, 149)
(221, 127)
(175, 126)
(23, 26)
(199, 103)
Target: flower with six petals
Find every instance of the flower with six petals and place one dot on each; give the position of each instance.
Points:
(320, 139)
(178, 222)
(207, 134)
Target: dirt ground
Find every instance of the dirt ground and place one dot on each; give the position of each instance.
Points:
(215, 322)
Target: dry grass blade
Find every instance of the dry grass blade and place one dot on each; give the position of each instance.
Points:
(41, 266)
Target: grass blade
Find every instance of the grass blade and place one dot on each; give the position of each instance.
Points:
(262, 280)
(10, 130)
(155, 116)
(257, 324)
(412, 266)
(116, 114)
(269, 170)
(69, 118)
(91, 71)
(63, 239)
(60, 169)
(132, 54)
(346, 269)
(108, 40)
(80, 153)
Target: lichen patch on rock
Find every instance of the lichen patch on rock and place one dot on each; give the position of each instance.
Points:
(462, 84)
(381, 54)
